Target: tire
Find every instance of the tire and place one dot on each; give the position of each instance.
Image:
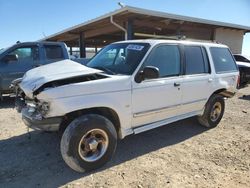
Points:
(88, 142)
(214, 110)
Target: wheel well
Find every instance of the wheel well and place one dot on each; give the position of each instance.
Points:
(219, 91)
(104, 111)
(224, 92)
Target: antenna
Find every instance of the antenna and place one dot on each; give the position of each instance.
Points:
(121, 4)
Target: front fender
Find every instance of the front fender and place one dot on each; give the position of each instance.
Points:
(119, 101)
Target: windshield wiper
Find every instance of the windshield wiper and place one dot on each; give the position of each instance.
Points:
(105, 70)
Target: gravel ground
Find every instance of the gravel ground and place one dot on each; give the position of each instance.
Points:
(182, 154)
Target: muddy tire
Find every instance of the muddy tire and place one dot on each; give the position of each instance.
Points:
(214, 110)
(88, 142)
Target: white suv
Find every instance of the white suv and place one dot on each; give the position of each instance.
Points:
(129, 87)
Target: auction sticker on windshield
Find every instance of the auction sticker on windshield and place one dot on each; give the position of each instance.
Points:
(135, 47)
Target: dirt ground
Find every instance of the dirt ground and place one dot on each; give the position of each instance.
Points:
(182, 154)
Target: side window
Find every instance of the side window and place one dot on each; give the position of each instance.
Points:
(196, 60)
(53, 52)
(223, 60)
(166, 58)
(26, 53)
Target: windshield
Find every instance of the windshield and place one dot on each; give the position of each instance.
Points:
(119, 58)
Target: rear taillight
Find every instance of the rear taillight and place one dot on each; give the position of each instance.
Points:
(238, 81)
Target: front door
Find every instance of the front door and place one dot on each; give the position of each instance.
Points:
(11, 70)
(158, 99)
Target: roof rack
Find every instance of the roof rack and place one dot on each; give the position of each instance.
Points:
(154, 36)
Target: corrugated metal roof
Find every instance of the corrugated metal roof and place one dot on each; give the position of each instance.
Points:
(185, 18)
(156, 14)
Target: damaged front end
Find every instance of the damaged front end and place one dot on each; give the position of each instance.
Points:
(34, 113)
(35, 110)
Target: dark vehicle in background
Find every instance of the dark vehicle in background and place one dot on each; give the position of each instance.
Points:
(21, 57)
(243, 63)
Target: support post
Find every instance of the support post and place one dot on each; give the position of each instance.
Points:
(82, 45)
(212, 36)
(70, 50)
(130, 32)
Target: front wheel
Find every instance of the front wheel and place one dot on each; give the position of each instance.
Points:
(214, 110)
(88, 142)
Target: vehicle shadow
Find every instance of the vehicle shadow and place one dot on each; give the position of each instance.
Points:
(7, 102)
(245, 97)
(37, 161)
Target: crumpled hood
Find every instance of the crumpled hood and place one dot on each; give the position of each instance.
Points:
(37, 77)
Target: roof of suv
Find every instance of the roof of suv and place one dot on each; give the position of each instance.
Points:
(38, 42)
(160, 41)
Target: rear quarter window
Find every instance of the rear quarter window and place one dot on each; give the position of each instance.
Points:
(223, 60)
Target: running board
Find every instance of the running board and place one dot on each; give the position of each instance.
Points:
(164, 122)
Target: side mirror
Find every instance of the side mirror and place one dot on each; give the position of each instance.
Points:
(148, 72)
(10, 57)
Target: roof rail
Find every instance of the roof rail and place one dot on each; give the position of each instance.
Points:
(154, 36)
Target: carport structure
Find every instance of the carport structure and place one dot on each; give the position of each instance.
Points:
(135, 23)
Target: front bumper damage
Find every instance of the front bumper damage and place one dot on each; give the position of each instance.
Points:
(46, 124)
(32, 118)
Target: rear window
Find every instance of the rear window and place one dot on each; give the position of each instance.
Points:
(223, 60)
(53, 52)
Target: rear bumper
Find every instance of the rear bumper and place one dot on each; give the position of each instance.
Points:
(36, 121)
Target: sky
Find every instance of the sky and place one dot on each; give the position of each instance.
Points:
(30, 20)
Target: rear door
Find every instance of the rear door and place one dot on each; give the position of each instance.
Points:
(27, 56)
(197, 79)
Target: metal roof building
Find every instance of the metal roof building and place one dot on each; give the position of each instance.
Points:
(136, 23)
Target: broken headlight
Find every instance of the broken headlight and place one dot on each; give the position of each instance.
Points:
(38, 108)
(31, 108)
(43, 108)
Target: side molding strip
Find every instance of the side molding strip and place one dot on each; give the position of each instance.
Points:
(154, 111)
(164, 122)
(159, 110)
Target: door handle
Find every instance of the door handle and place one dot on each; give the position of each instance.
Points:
(210, 79)
(176, 84)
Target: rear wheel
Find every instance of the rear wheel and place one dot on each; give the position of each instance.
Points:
(213, 112)
(88, 142)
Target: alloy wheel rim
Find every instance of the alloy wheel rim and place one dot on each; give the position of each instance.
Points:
(216, 111)
(93, 145)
